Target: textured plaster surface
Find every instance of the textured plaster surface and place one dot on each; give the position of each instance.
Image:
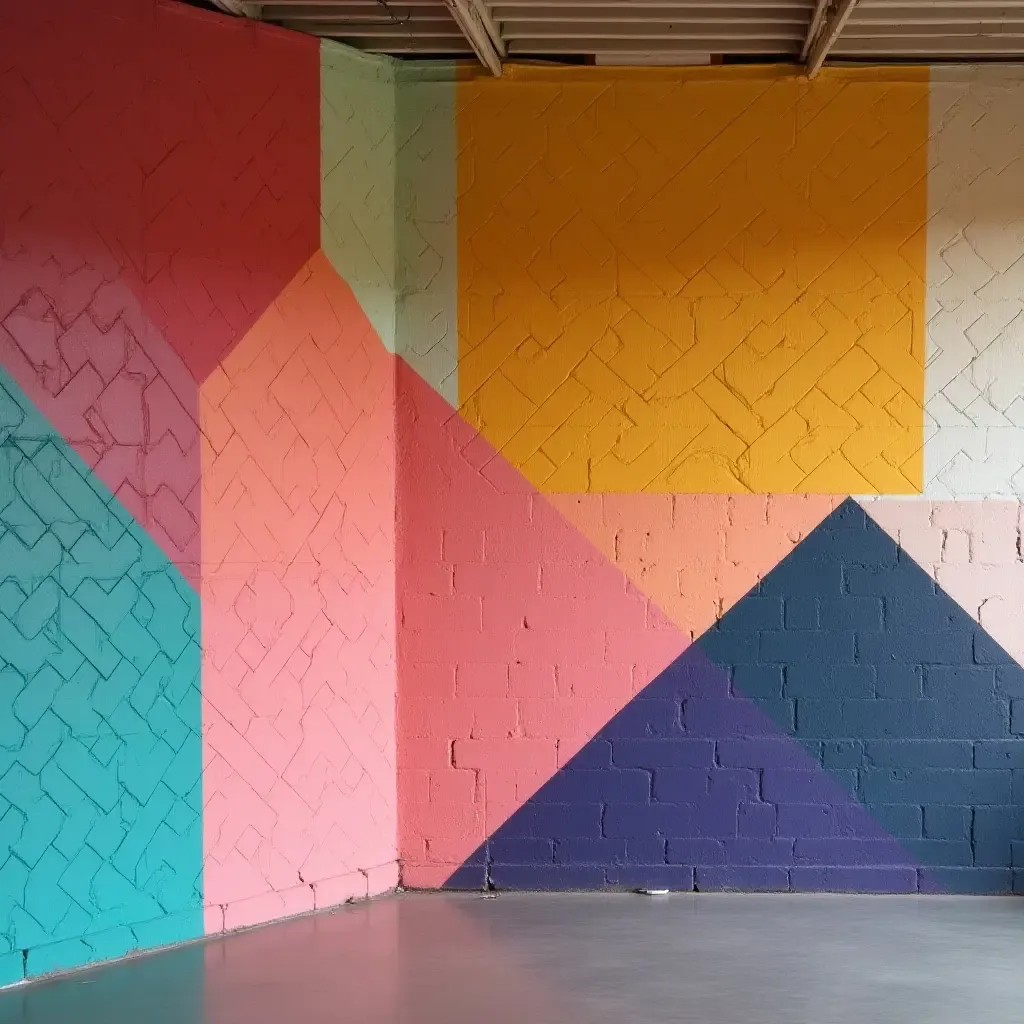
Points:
(299, 610)
(974, 406)
(358, 178)
(695, 281)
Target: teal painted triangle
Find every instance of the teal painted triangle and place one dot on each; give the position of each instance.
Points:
(101, 759)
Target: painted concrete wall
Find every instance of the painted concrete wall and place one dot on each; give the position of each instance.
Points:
(197, 631)
(667, 474)
(298, 596)
(714, 581)
(696, 282)
(974, 409)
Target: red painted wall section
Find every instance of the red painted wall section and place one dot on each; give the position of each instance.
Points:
(159, 186)
(517, 639)
(175, 150)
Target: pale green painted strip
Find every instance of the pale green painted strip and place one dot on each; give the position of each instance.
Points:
(358, 178)
(426, 211)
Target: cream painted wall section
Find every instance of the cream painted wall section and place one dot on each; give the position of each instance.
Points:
(358, 178)
(974, 380)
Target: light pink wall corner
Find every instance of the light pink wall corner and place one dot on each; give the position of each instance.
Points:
(298, 599)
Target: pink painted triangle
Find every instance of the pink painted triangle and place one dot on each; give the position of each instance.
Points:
(517, 639)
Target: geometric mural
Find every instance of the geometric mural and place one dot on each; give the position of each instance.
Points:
(636, 505)
(845, 725)
(298, 605)
(160, 190)
(521, 638)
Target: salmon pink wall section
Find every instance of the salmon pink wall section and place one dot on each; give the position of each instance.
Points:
(517, 638)
(695, 555)
(298, 599)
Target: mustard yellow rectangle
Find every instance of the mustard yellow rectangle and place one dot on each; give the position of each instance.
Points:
(725, 263)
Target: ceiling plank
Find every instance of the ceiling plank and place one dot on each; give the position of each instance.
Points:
(240, 8)
(813, 27)
(480, 31)
(624, 31)
(829, 33)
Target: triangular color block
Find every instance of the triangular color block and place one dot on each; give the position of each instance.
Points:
(845, 725)
(971, 549)
(695, 555)
(691, 786)
(517, 638)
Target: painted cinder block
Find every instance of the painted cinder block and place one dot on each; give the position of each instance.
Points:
(951, 822)
(874, 765)
(854, 879)
(936, 785)
(741, 879)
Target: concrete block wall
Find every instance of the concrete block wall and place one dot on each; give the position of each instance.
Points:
(713, 581)
(197, 572)
(665, 472)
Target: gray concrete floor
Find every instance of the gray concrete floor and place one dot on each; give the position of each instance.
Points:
(575, 959)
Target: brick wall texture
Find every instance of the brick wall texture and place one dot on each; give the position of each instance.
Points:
(634, 506)
(298, 597)
(745, 616)
(197, 608)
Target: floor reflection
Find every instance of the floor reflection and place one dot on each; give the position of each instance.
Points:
(574, 959)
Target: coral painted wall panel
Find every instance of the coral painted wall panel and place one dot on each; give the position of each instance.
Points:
(517, 639)
(299, 609)
(696, 281)
(694, 555)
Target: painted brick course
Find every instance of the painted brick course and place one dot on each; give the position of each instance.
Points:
(631, 810)
(516, 637)
(971, 549)
(841, 726)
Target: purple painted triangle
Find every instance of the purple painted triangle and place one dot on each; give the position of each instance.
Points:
(692, 786)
